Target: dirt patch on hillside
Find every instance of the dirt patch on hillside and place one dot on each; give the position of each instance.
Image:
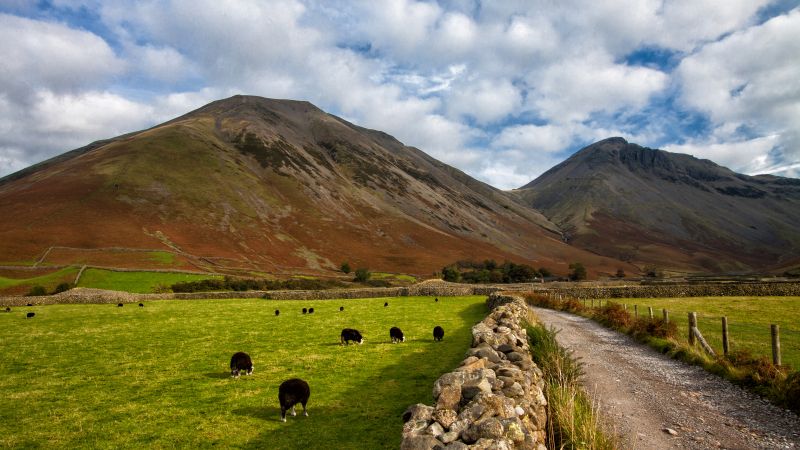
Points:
(642, 395)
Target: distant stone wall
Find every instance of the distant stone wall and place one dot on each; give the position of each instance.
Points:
(494, 400)
(686, 290)
(87, 295)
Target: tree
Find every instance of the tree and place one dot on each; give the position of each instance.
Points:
(620, 273)
(545, 272)
(577, 272)
(362, 275)
(451, 273)
(345, 267)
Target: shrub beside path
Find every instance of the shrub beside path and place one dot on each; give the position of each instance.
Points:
(655, 402)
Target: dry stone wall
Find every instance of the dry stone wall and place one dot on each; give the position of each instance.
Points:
(685, 290)
(494, 399)
(87, 295)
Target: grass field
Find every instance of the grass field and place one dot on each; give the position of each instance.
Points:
(749, 320)
(139, 282)
(49, 281)
(99, 376)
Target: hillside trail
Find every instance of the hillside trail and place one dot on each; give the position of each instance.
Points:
(641, 393)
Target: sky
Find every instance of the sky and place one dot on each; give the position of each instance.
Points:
(502, 90)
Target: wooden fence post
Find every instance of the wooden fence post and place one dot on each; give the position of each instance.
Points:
(692, 326)
(636, 311)
(625, 306)
(725, 341)
(650, 312)
(776, 344)
(592, 303)
(666, 315)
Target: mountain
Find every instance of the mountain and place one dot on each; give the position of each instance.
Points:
(254, 185)
(670, 210)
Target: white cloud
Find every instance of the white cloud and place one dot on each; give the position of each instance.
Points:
(535, 138)
(750, 156)
(485, 100)
(47, 55)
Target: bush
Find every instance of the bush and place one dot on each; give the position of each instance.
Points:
(37, 290)
(577, 272)
(645, 326)
(545, 272)
(451, 273)
(614, 315)
(620, 273)
(62, 287)
(345, 267)
(362, 275)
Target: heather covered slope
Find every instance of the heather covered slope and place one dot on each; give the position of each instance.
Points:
(670, 210)
(248, 184)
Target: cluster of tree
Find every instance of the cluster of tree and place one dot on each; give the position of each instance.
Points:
(362, 274)
(251, 284)
(40, 290)
(489, 271)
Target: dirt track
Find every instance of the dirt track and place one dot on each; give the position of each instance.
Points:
(641, 393)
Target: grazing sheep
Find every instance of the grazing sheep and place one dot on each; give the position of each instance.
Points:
(277, 312)
(311, 310)
(397, 335)
(305, 310)
(436, 299)
(8, 309)
(292, 392)
(349, 334)
(119, 305)
(341, 308)
(141, 305)
(29, 315)
(29, 304)
(438, 333)
(241, 361)
(386, 304)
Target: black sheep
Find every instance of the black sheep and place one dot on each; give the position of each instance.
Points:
(29, 315)
(436, 299)
(311, 310)
(119, 305)
(349, 334)
(438, 333)
(29, 304)
(292, 392)
(141, 305)
(241, 361)
(397, 335)
(277, 312)
(386, 304)
(341, 308)
(305, 310)
(8, 309)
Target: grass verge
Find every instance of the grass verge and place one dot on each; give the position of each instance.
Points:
(779, 384)
(572, 420)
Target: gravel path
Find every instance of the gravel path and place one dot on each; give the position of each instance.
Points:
(641, 393)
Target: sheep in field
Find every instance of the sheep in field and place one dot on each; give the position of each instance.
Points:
(277, 312)
(241, 361)
(29, 315)
(397, 335)
(311, 310)
(438, 333)
(305, 310)
(119, 305)
(386, 304)
(292, 392)
(141, 305)
(341, 308)
(349, 334)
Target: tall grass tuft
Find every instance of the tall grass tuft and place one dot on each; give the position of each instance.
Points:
(572, 419)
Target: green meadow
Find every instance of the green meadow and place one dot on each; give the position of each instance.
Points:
(101, 376)
(749, 320)
(141, 282)
(49, 280)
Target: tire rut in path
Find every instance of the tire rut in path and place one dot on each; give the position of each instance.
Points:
(640, 392)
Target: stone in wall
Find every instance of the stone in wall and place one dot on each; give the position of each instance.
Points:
(494, 399)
